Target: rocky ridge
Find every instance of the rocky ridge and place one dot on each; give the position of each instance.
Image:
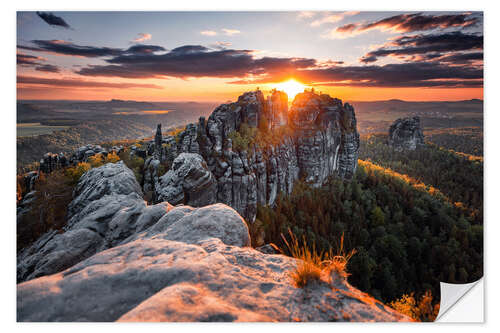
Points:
(120, 259)
(317, 137)
(321, 140)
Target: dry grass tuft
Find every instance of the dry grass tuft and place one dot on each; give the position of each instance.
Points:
(337, 263)
(313, 264)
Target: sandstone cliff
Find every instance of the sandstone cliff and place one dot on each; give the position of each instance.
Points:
(120, 259)
(315, 138)
(406, 134)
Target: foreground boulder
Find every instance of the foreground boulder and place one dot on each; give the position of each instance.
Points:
(107, 207)
(188, 182)
(406, 134)
(155, 279)
(131, 262)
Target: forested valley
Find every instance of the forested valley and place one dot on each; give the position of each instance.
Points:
(414, 218)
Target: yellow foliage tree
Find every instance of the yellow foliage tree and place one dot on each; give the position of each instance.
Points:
(74, 173)
(421, 310)
(96, 160)
(112, 158)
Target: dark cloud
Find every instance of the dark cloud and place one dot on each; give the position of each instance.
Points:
(452, 40)
(404, 23)
(194, 61)
(368, 59)
(416, 74)
(47, 68)
(426, 57)
(189, 49)
(453, 58)
(348, 28)
(462, 58)
(70, 49)
(419, 22)
(413, 84)
(26, 59)
(199, 61)
(72, 83)
(433, 64)
(144, 49)
(51, 19)
(329, 63)
(421, 44)
(62, 47)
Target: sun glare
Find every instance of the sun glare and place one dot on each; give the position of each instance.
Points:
(291, 88)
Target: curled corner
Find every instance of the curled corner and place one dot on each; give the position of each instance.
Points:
(452, 296)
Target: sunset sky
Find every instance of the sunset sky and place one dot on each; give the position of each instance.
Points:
(214, 56)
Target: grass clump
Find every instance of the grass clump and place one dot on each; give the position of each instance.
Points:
(315, 265)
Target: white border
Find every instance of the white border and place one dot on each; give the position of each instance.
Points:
(7, 165)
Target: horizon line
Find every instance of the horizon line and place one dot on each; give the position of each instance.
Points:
(212, 101)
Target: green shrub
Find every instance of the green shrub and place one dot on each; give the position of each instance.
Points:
(261, 136)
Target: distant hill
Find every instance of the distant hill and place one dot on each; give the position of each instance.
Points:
(376, 116)
(97, 121)
(27, 113)
(472, 105)
(114, 103)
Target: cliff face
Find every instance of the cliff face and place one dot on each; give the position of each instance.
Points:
(406, 134)
(122, 260)
(321, 140)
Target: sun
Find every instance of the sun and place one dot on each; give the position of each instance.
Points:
(290, 87)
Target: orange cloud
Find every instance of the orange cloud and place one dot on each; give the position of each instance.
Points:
(142, 37)
(333, 18)
(230, 32)
(208, 33)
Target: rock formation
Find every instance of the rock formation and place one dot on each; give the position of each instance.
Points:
(101, 194)
(314, 139)
(319, 139)
(120, 260)
(158, 143)
(30, 179)
(188, 181)
(278, 109)
(406, 134)
(50, 161)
